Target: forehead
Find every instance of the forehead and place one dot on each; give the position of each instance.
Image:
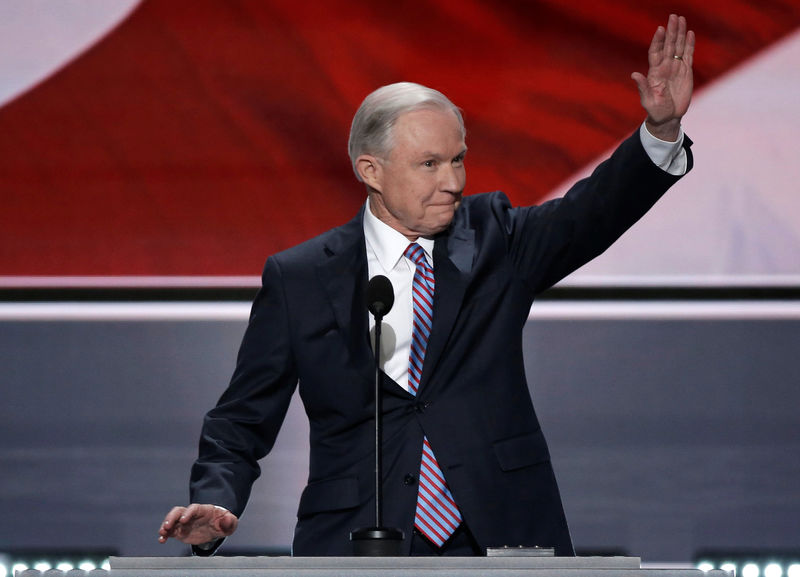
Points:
(429, 129)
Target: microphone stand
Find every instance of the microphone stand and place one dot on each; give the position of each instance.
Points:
(378, 541)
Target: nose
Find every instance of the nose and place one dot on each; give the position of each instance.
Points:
(452, 178)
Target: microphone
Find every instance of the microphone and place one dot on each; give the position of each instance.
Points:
(378, 541)
(380, 295)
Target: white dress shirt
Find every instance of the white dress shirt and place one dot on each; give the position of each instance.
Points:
(385, 248)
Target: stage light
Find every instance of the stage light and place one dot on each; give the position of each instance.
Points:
(705, 566)
(773, 570)
(750, 570)
(3, 570)
(753, 562)
(43, 560)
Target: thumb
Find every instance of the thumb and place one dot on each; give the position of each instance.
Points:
(641, 82)
(228, 523)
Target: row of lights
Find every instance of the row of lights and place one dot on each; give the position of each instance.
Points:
(9, 567)
(751, 569)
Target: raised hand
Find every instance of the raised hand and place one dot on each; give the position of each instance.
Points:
(667, 89)
(197, 524)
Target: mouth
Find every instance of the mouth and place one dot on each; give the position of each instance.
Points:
(445, 205)
(453, 200)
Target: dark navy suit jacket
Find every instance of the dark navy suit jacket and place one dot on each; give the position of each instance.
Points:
(309, 325)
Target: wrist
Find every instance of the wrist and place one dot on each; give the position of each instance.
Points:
(208, 546)
(668, 131)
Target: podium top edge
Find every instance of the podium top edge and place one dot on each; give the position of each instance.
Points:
(500, 562)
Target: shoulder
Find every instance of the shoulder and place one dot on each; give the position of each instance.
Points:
(492, 213)
(340, 239)
(479, 209)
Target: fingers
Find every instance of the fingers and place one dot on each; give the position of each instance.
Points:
(656, 52)
(197, 524)
(679, 41)
(671, 37)
(177, 520)
(688, 51)
(680, 36)
(672, 41)
(170, 524)
(191, 512)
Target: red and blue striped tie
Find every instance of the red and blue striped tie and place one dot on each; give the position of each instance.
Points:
(437, 515)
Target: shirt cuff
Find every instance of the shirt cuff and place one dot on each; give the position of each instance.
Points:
(208, 546)
(669, 156)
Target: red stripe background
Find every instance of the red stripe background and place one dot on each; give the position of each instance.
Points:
(201, 136)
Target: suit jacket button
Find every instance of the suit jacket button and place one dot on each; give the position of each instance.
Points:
(409, 479)
(420, 407)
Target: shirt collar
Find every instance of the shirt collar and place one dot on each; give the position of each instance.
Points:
(387, 244)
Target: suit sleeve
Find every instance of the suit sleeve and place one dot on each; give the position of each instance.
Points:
(242, 428)
(550, 241)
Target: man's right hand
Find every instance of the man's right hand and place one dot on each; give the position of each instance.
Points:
(197, 524)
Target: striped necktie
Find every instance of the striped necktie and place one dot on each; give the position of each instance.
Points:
(437, 515)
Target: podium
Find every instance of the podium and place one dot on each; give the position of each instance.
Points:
(505, 566)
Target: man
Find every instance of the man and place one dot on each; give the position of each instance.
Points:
(466, 466)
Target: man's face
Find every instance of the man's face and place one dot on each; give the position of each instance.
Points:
(418, 187)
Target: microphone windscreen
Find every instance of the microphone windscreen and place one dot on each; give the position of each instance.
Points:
(380, 295)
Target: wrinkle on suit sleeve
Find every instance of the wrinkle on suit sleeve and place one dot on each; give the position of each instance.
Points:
(242, 428)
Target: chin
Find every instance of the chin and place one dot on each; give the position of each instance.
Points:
(438, 220)
(440, 226)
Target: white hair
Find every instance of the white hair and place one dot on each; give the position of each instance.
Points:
(373, 123)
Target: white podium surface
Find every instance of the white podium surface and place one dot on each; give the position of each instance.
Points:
(504, 566)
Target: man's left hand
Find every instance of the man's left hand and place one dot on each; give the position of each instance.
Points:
(667, 89)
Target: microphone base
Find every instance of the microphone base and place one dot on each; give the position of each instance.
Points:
(377, 542)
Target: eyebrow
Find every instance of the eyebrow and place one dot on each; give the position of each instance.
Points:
(428, 154)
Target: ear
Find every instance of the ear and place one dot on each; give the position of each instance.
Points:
(370, 170)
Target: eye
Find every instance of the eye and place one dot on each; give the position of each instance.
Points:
(459, 160)
(429, 164)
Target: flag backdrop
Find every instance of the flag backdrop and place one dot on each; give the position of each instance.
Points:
(196, 137)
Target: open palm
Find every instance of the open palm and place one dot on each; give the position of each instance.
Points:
(666, 91)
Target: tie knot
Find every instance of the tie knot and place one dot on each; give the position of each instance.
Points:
(415, 254)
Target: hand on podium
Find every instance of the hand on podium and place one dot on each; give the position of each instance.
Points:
(197, 524)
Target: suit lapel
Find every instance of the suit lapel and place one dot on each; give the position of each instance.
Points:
(343, 273)
(453, 254)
